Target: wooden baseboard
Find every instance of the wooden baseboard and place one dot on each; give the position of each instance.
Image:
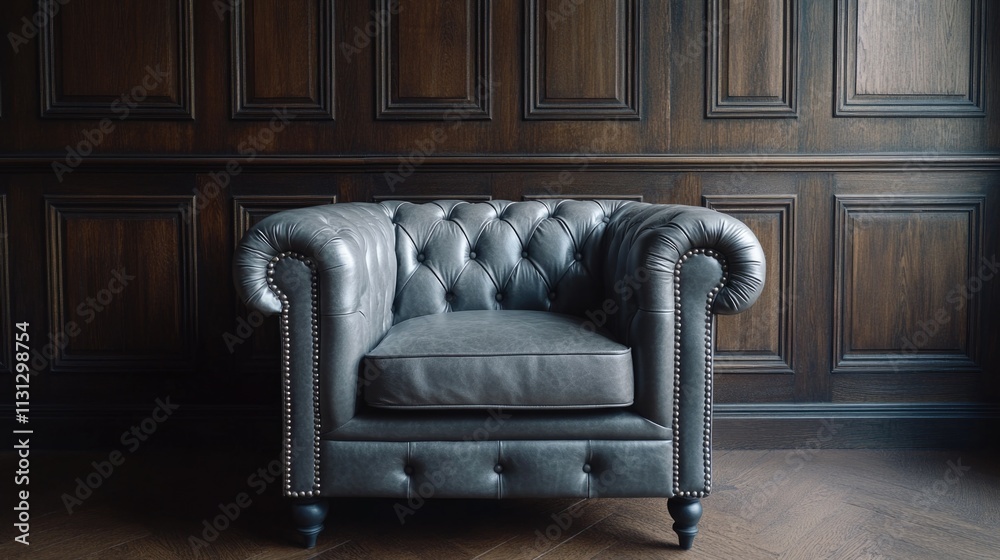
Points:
(865, 425)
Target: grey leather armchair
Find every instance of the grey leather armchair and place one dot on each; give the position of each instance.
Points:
(498, 350)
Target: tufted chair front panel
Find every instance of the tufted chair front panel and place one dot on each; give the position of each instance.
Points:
(535, 255)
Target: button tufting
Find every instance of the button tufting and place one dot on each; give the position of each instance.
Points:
(420, 257)
(472, 255)
(499, 297)
(498, 469)
(606, 219)
(524, 254)
(408, 469)
(449, 296)
(578, 256)
(586, 467)
(552, 295)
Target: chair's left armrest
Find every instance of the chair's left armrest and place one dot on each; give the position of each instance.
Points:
(330, 271)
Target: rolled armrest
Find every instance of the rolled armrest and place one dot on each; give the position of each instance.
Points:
(352, 245)
(331, 273)
(666, 265)
(652, 238)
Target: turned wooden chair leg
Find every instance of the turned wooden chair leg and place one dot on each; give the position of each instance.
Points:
(686, 513)
(308, 516)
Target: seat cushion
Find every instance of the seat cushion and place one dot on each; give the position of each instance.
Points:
(488, 359)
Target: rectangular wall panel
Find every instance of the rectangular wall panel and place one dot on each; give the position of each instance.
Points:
(914, 58)
(760, 340)
(582, 59)
(905, 271)
(433, 60)
(283, 58)
(752, 58)
(122, 282)
(118, 59)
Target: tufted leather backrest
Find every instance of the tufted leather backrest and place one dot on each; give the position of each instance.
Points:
(534, 255)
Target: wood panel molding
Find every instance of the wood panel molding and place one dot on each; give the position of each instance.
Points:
(900, 264)
(148, 88)
(416, 75)
(122, 276)
(752, 59)
(921, 58)
(596, 80)
(298, 82)
(522, 162)
(769, 325)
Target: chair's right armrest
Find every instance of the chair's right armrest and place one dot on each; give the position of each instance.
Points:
(671, 269)
(330, 271)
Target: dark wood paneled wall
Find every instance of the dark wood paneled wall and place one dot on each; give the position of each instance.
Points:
(859, 140)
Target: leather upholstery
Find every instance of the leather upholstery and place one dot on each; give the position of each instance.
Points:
(489, 359)
(497, 469)
(498, 424)
(538, 255)
(612, 264)
(354, 251)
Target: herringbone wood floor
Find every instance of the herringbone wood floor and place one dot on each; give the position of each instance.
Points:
(935, 504)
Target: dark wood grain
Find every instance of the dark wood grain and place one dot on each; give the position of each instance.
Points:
(119, 60)
(283, 59)
(569, 73)
(752, 58)
(901, 265)
(434, 59)
(920, 58)
(122, 281)
(624, 111)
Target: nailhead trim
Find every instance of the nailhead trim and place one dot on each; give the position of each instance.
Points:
(709, 318)
(286, 372)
